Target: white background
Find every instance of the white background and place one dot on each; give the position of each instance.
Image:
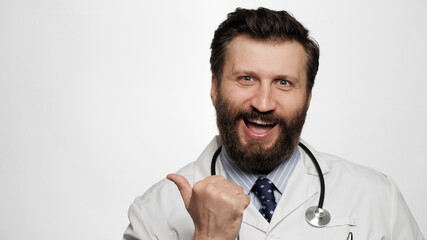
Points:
(99, 99)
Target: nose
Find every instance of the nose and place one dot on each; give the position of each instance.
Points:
(263, 98)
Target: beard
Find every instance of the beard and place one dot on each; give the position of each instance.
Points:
(254, 156)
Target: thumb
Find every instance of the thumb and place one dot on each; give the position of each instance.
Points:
(183, 187)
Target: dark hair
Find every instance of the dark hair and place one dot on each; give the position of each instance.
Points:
(263, 24)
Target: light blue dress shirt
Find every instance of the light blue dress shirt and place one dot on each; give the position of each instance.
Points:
(279, 176)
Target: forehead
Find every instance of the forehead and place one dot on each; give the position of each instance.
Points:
(265, 57)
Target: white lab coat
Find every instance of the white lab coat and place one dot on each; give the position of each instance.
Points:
(360, 200)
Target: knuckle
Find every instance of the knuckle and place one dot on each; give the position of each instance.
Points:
(228, 199)
(238, 206)
(218, 178)
(198, 186)
(210, 188)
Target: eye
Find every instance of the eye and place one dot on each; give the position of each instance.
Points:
(283, 82)
(246, 78)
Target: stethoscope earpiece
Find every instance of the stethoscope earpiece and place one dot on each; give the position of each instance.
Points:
(317, 217)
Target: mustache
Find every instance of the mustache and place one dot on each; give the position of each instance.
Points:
(263, 116)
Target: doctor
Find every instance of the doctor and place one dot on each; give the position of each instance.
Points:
(263, 68)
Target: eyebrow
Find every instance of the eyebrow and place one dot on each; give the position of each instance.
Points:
(252, 73)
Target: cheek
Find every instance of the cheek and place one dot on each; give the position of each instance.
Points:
(236, 98)
(292, 104)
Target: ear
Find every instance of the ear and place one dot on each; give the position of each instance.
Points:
(214, 90)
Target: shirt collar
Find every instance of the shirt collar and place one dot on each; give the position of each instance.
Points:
(279, 176)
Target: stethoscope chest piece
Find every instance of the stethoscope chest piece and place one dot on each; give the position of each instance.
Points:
(317, 217)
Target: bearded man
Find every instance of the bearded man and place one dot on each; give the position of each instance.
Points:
(263, 65)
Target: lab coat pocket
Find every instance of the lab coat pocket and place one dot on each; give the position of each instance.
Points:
(342, 221)
(339, 228)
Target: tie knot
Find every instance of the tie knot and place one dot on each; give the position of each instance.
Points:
(264, 189)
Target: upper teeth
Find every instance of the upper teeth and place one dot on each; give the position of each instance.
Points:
(260, 122)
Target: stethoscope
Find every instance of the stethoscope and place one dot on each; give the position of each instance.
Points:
(316, 216)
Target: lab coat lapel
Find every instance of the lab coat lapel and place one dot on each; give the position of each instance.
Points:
(253, 217)
(203, 163)
(302, 186)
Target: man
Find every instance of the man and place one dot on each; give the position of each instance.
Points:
(263, 67)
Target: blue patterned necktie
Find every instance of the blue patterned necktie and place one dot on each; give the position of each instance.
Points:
(264, 190)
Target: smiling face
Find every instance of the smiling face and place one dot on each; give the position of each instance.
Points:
(261, 101)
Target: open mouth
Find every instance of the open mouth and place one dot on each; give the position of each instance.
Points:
(258, 128)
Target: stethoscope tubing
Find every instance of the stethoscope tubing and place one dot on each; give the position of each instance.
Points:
(306, 150)
(319, 172)
(316, 216)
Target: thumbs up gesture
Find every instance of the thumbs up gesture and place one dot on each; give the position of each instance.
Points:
(215, 204)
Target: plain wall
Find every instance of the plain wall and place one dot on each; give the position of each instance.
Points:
(100, 99)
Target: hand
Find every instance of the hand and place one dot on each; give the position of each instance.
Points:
(215, 204)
